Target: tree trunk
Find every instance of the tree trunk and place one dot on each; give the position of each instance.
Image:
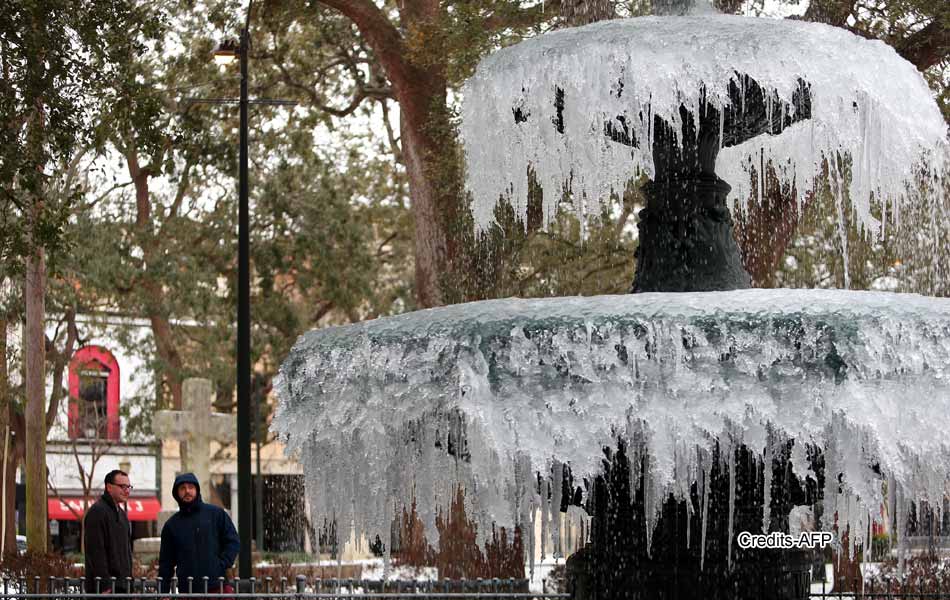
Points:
(6, 535)
(11, 461)
(17, 452)
(430, 211)
(34, 345)
(161, 326)
(164, 343)
(429, 153)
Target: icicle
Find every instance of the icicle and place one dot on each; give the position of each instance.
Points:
(742, 81)
(884, 218)
(767, 485)
(868, 544)
(387, 551)
(557, 483)
(650, 126)
(702, 547)
(892, 507)
(900, 525)
(649, 505)
(852, 530)
(722, 123)
(689, 477)
(531, 533)
(731, 465)
(545, 515)
(634, 459)
(689, 519)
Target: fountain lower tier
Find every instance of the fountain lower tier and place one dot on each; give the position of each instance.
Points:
(686, 550)
(490, 394)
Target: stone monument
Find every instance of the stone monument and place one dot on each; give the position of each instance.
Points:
(194, 427)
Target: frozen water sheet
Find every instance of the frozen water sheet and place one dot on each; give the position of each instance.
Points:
(484, 395)
(867, 103)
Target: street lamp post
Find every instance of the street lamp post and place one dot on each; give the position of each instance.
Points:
(244, 325)
(225, 54)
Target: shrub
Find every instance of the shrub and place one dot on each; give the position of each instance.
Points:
(34, 564)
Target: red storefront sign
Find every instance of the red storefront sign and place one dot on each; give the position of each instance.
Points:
(72, 509)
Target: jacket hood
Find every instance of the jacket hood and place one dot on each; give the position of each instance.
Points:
(186, 478)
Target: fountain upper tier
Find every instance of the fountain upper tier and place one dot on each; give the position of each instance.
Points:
(485, 394)
(577, 107)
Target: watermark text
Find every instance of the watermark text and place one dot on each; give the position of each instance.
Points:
(777, 539)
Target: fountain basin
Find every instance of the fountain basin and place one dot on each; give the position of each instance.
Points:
(487, 394)
(576, 107)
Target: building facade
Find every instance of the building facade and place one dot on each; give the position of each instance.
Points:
(106, 383)
(89, 440)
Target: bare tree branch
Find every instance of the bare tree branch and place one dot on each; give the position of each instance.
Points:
(524, 17)
(183, 185)
(394, 146)
(382, 245)
(361, 93)
(381, 36)
(325, 307)
(832, 12)
(103, 195)
(60, 361)
(927, 47)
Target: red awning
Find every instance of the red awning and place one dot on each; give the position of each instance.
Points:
(72, 509)
(143, 509)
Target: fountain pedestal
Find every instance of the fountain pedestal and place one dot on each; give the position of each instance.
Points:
(775, 575)
(688, 549)
(686, 242)
(692, 249)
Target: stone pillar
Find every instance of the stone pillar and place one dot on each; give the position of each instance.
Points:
(197, 395)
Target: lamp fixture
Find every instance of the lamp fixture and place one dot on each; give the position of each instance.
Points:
(226, 52)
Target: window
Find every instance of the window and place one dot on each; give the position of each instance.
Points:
(93, 394)
(93, 406)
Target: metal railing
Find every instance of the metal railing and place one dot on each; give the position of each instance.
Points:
(270, 588)
(882, 590)
(314, 588)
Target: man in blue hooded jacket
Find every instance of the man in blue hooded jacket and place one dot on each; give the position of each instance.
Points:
(198, 541)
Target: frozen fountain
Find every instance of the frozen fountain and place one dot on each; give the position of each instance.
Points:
(719, 411)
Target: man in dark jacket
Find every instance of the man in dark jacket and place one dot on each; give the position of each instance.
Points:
(108, 537)
(198, 541)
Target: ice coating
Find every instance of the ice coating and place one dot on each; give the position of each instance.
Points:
(488, 394)
(868, 103)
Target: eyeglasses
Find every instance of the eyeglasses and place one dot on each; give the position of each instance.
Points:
(125, 487)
